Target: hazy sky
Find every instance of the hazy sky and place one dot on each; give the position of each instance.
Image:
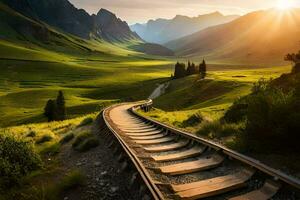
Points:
(134, 11)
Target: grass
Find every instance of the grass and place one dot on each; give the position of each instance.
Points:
(85, 141)
(24, 93)
(215, 129)
(88, 144)
(211, 97)
(67, 138)
(51, 150)
(57, 131)
(86, 121)
(72, 179)
(43, 139)
(42, 184)
(25, 86)
(92, 73)
(81, 138)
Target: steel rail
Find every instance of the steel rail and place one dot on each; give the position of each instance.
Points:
(156, 194)
(276, 174)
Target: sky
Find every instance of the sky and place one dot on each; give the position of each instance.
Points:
(140, 11)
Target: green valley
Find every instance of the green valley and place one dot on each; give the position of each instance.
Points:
(90, 72)
(219, 83)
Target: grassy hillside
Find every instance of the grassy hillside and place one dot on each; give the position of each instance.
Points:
(90, 72)
(30, 78)
(40, 142)
(261, 37)
(211, 97)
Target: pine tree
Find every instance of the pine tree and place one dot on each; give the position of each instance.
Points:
(202, 69)
(180, 71)
(191, 69)
(194, 69)
(50, 110)
(60, 105)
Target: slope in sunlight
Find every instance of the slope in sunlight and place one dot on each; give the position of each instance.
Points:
(258, 37)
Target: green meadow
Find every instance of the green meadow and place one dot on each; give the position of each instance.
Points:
(212, 96)
(32, 75)
(95, 73)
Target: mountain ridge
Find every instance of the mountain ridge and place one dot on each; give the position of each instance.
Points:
(164, 30)
(36, 22)
(260, 36)
(65, 16)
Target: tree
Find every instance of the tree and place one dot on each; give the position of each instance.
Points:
(191, 69)
(202, 69)
(180, 71)
(194, 69)
(189, 64)
(295, 58)
(50, 110)
(60, 105)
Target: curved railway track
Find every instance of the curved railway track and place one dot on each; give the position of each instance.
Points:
(171, 164)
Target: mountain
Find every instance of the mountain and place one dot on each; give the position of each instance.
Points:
(58, 13)
(163, 30)
(63, 15)
(54, 22)
(258, 37)
(108, 26)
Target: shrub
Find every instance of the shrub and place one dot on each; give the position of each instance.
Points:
(31, 134)
(86, 121)
(237, 112)
(80, 138)
(70, 181)
(271, 118)
(51, 150)
(67, 138)
(193, 120)
(87, 144)
(85, 141)
(43, 139)
(296, 68)
(17, 159)
(216, 129)
(208, 128)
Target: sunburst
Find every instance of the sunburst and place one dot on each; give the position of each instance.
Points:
(285, 4)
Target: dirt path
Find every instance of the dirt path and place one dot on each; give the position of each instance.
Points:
(160, 90)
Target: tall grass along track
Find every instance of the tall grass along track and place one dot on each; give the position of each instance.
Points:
(170, 164)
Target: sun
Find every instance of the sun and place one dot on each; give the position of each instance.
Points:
(285, 4)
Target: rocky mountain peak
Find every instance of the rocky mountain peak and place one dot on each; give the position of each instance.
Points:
(112, 27)
(106, 14)
(65, 16)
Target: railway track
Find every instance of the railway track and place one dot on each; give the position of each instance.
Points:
(170, 164)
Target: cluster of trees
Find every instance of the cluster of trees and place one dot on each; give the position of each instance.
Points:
(295, 58)
(55, 110)
(181, 70)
